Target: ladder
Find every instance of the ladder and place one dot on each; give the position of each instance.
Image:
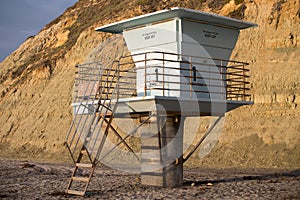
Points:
(95, 100)
(82, 179)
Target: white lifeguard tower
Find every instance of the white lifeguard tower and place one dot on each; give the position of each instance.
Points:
(179, 67)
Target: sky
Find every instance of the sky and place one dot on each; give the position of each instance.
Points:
(20, 19)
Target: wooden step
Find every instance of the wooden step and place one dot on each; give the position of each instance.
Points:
(82, 179)
(86, 165)
(75, 192)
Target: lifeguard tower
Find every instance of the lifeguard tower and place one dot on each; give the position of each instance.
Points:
(178, 67)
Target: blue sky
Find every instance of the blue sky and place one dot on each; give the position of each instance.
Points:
(20, 19)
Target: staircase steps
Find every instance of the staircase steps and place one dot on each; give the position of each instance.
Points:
(80, 189)
(75, 192)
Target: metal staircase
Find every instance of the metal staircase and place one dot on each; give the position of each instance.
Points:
(95, 100)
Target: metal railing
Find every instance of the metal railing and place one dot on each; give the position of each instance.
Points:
(169, 74)
(96, 88)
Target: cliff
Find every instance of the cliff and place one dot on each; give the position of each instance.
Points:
(36, 81)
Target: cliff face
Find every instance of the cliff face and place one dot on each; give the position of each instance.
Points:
(36, 80)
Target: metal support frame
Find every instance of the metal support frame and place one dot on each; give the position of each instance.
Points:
(190, 153)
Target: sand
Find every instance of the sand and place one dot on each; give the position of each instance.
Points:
(33, 180)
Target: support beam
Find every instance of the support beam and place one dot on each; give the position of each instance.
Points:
(162, 149)
(194, 148)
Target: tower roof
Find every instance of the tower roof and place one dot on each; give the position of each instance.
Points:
(183, 13)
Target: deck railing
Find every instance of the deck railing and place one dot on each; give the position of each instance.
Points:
(167, 74)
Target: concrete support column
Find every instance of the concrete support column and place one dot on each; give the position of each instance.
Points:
(162, 149)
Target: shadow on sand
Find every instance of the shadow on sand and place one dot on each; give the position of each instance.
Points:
(263, 177)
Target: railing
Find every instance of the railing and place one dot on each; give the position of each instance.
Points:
(94, 102)
(86, 81)
(169, 74)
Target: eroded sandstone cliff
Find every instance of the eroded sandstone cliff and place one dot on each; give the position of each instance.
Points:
(36, 80)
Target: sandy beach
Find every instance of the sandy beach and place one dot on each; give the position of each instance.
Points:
(33, 180)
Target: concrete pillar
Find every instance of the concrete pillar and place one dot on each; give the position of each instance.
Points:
(162, 149)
